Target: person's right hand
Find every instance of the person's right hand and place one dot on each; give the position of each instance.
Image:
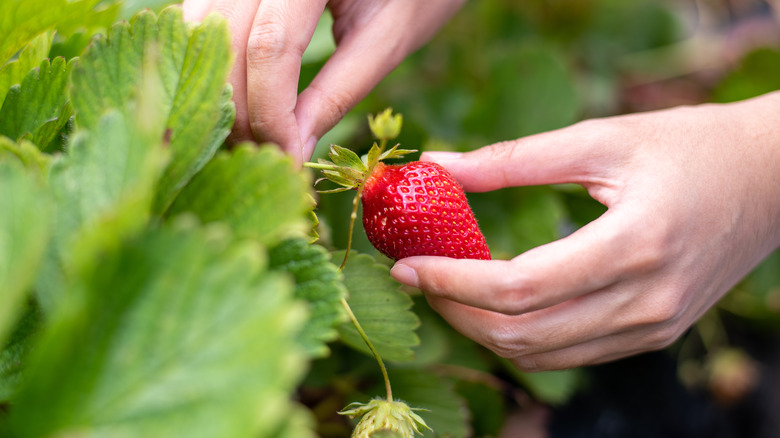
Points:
(269, 38)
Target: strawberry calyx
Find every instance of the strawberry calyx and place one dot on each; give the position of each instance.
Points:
(350, 171)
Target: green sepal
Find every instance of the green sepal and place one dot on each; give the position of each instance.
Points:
(344, 157)
(394, 152)
(347, 169)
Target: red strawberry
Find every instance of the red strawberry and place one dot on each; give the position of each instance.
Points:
(419, 209)
(411, 209)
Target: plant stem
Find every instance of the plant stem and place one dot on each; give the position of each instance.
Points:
(370, 347)
(323, 166)
(355, 202)
(344, 303)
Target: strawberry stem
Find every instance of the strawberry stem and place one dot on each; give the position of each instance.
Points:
(378, 358)
(344, 303)
(371, 165)
(322, 166)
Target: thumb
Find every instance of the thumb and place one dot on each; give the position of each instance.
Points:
(568, 155)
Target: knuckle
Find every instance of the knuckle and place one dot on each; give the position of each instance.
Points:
(528, 364)
(516, 292)
(233, 16)
(268, 41)
(334, 103)
(665, 335)
(505, 342)
(649, 255)
(661, 311)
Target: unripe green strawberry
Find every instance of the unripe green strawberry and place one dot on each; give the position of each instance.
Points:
(418, 208)
(382, 415)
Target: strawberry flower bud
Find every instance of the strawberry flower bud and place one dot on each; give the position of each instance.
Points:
(393, 418)
(386, 125)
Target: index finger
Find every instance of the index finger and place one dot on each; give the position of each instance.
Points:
(280, 33)
(595, 257)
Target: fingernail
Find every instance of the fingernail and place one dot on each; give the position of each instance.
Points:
(405, 274)
(308, 148)
(440, 156)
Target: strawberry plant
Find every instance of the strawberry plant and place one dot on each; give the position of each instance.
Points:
(156, 282)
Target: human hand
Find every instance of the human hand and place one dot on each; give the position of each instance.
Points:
(693, 197)
(269, 38)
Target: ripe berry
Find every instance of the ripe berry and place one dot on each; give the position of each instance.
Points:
(419, 209)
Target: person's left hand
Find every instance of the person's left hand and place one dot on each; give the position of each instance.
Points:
(270, 37)
(693, 197)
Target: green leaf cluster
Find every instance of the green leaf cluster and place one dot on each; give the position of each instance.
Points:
(165, 285)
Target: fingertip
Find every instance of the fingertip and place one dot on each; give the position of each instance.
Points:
(308, 148)
(440, 157)
(405, 274)
(195, 10)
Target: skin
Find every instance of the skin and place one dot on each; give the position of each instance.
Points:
(269, 38)
(693, 197)
(693, 193)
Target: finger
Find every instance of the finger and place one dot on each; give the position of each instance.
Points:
(280, 33)
(366, 54)
(596, 351)
(196, 10)
(592, 258)
(582, 153)
(239, 15)
(600, 327)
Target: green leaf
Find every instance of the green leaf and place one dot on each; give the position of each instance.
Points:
(486, 404)
(445, 410)
(193, 62)
(551, 387)
(13, 356)
(38, 107)
(30, 57)
(26, 154)
(381, 308)
(296, 424)
(758, 73)
(23, 20)
(537, 94)
(175, 333)
(132, 7)
(318, 282)
(529, 217)
(103, 191)
(258, 192)
(24, 232)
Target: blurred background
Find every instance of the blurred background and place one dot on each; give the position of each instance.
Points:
(503, 69)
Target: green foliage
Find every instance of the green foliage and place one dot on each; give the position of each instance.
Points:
(255, 191)
(192, 63)
(381, 308)
(24, 231)
(161, 339)
(758, 73)
(443, 408)
(13, 357)
(198, 319)
(151, 285)
(23, 20)
(102, 194)
(532, 74)
(319, 282)
(38, 109)
(31, 56)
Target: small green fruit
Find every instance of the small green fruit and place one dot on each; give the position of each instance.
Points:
(392, 418)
